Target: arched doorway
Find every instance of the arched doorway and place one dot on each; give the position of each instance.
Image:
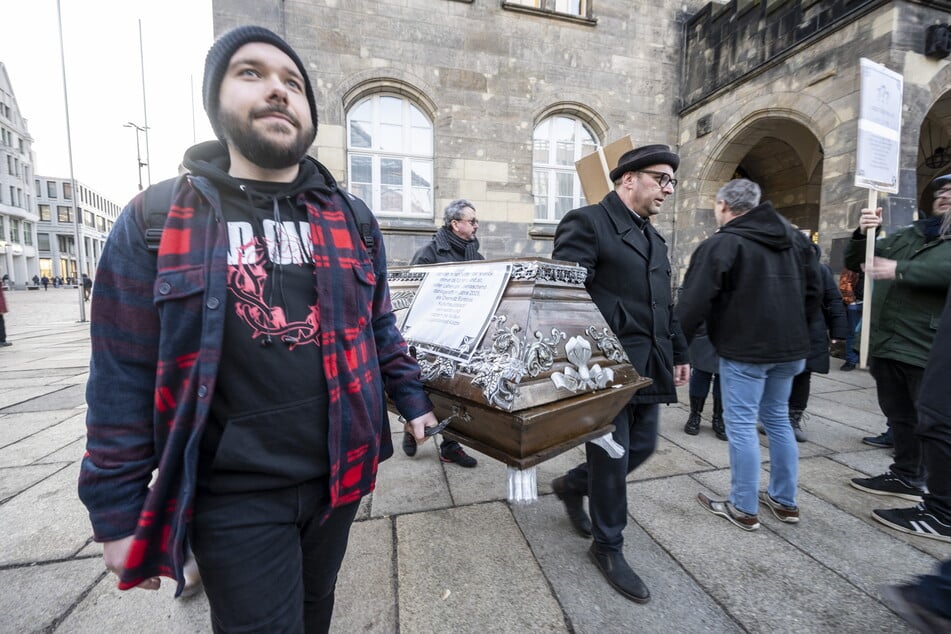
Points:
(934, 148)
(785, 159)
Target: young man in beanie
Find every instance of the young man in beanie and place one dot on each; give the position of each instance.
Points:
(629, 280)
(246, 363)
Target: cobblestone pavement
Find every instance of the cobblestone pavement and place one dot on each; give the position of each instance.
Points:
(437, 548)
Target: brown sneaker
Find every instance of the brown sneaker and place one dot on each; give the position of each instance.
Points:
(723, 508)
(788, 514)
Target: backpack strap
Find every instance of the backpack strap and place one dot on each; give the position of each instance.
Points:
(363, 217)
(156, 204)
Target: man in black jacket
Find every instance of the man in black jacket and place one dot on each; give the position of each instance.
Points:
(629, 280)
(754, 282)
(926, 604)
(455, 241)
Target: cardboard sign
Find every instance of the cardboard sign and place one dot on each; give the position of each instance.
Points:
(594, 169)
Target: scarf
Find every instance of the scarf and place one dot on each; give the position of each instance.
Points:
(467, 249)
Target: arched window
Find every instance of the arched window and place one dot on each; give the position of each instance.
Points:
(559, 141)
(390, 156)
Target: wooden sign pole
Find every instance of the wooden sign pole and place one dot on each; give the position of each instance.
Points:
(867, 285)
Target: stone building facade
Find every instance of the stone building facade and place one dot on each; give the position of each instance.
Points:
(495, 99)
(18, 256)
(56, 202)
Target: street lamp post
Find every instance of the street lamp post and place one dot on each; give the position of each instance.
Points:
(138, 153)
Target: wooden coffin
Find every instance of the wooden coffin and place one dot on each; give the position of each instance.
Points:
(515, 352)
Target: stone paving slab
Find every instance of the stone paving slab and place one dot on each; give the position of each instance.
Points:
(106, 609)
(15, 480)
(43, 443)
(757, 577)
(367, 584)
(829, 480)
(819, 534)
(45, 522)
(15, 427)
(590, 604)
(32, 598)
(457, 573)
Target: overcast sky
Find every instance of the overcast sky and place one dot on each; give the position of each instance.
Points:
(104, 81)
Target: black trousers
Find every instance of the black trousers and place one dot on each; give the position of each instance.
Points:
(266, 562)
(935, 437)
(604, 479)
(799, 394)
(897, 385)
(3, 329)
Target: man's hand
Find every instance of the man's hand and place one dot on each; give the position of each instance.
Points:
(882, 269)
(114, 555)
(681, 374)
(870, 219)
(417, 426)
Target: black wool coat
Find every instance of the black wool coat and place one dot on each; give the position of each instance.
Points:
(629, 280)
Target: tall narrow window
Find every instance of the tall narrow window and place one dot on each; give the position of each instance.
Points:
(559, 141)
(390, 156)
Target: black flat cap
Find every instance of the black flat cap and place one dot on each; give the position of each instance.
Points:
(644, 156)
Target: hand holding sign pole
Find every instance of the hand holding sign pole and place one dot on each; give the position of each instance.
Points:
(877, 155)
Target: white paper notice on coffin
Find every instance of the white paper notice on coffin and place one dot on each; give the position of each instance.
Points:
(453, 307)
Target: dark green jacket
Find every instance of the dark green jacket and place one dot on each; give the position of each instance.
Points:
(906, 310)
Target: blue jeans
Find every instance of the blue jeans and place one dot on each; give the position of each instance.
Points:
(752, 390)
(853, 313)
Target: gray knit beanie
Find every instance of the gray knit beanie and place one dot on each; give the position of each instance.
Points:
(220, 54)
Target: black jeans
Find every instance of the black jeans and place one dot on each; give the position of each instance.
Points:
(604, 479)
(799, 395)
(897, 385)
(935, 437)
(267, 562)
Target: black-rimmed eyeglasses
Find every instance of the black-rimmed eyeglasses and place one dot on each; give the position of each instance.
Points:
(471, 221)
(663, 179)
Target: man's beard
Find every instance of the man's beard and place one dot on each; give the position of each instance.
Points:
(259, 149)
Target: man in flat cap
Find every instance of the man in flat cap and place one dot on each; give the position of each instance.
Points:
(245, 364)
(629, 280)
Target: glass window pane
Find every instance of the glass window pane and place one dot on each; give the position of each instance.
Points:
(422, 174)
(540, 190)
(417, 119)
(540, 151)
(391, 171)
(562, 206)
(361, 169)
(421, 141)
(391, 110)
(565, 183)
(391, 138)
(421, 202)
(363, 191)
(360, 135)
(391, 199)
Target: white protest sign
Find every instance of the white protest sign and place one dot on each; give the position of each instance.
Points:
(453, 307)
(876, 159)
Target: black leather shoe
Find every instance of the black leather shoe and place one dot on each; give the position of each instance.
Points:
(615, 569)
(574, 505)
(409, 444)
